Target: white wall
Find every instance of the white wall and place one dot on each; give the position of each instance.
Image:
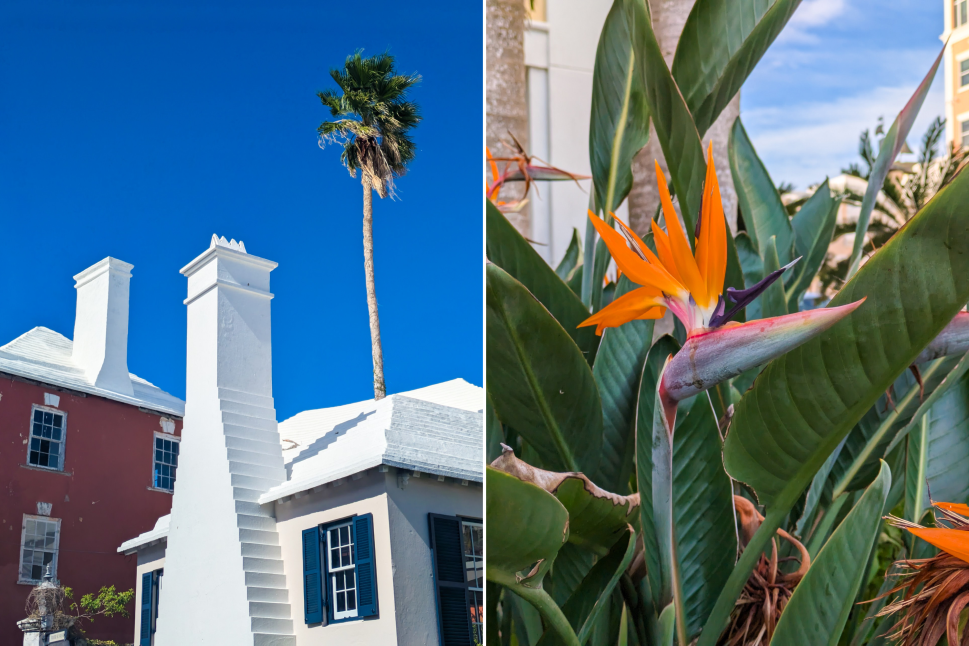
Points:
(561, 52)
(411, 544)
(366, 495)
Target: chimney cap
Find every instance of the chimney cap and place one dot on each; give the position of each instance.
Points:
(231, 244)
(108, 264)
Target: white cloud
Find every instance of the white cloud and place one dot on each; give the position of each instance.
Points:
(815, 13)
(811, 13)
(804, 142)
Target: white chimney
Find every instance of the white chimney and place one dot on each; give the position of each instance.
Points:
(101, 325)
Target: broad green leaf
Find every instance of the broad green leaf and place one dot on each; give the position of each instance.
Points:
(813, 227)
(617, 371)
(571, 566)
(680, 141)
(575, 281)
(493, 430)
(868, 441)
(702, 497)
(526, 525)
(572, 257)
(667, 625)
(553, 404)
(890, 147)
(592, 596)
(773, 302)
(664, 347)
(719, 47)
(817, 612)
(510, 251)
(938, 452)
(805, 402)
(620, 118)
(677, 134)
(752, 266)
(597, 518)
(782, 433)
(599, 267)
(764, 213)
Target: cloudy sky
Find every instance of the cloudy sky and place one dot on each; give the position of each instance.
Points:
(837, 67)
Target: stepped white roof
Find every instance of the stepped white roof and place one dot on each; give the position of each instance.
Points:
(436, 430)
(44, 355)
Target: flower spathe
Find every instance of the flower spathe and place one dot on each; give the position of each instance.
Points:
(953, 541)
(674, 277)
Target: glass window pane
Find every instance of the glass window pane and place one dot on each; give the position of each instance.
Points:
(344, 535)
(341, 602)
(38, 429)
(36, 572)
(351, 600)
(38, 416)
(48, 418)
(350, 579)
(58, 420)
(31, 526)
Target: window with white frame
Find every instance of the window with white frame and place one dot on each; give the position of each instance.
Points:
(474, 570)
(964, 73)
(166, 462)
(38, 547)
(959, 16)
(964, 127)
(47, 431)
(342, 571)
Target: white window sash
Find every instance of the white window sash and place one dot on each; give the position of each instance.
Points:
(335, 571)
(23, 540)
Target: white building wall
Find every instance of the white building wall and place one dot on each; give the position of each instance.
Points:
(562, 52)
(352, 497)
(411, 546)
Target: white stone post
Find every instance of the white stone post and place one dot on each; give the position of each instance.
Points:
(224, 581)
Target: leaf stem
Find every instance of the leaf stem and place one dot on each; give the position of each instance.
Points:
(546, 606)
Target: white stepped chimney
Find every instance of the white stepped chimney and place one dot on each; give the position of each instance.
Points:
(101, 325)
(224, 581)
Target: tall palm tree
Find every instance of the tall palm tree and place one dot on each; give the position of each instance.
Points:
(372, 119)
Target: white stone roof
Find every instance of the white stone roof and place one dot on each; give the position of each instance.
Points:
(435, 430)
(157, 533)
(44, 355)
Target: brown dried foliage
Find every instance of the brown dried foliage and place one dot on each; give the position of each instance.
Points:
(768, 589)
(931, 595)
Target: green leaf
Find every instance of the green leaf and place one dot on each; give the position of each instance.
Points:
(572, 257)
(675, 129)
(764, 213)
(620, 118)
(526, 525)
(597, 517)
(590, 598)
(702, 498)
(813, 227)
(868, 441)
(510, 251)
(938, 451)
(806, 401)
(617, 371)
(753, 269)
(553, 404)
(773, 301)
(493, 430)
(890, 147)
(719, 47)
(819, 608)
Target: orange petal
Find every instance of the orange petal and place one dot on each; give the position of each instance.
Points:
(645, 302)
(664, 251)
(638, 270)
(682, 253)
(494, 166)
(711, 248)
(951, 541)
(954, 507)
(653, 260)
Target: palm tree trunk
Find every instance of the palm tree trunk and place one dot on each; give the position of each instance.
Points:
(379, 389)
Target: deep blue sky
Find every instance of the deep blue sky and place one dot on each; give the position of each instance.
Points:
(835, 68)
(139, 129)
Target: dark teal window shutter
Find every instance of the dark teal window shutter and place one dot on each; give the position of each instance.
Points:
(450, 580)
(312, 576)
(146, 609)
(366, 571)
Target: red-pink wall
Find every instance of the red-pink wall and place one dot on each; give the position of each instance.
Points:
(102, 497)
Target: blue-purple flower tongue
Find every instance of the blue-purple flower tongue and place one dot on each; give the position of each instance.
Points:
(743, 297)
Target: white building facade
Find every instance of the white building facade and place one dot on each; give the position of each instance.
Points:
(359, 524)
